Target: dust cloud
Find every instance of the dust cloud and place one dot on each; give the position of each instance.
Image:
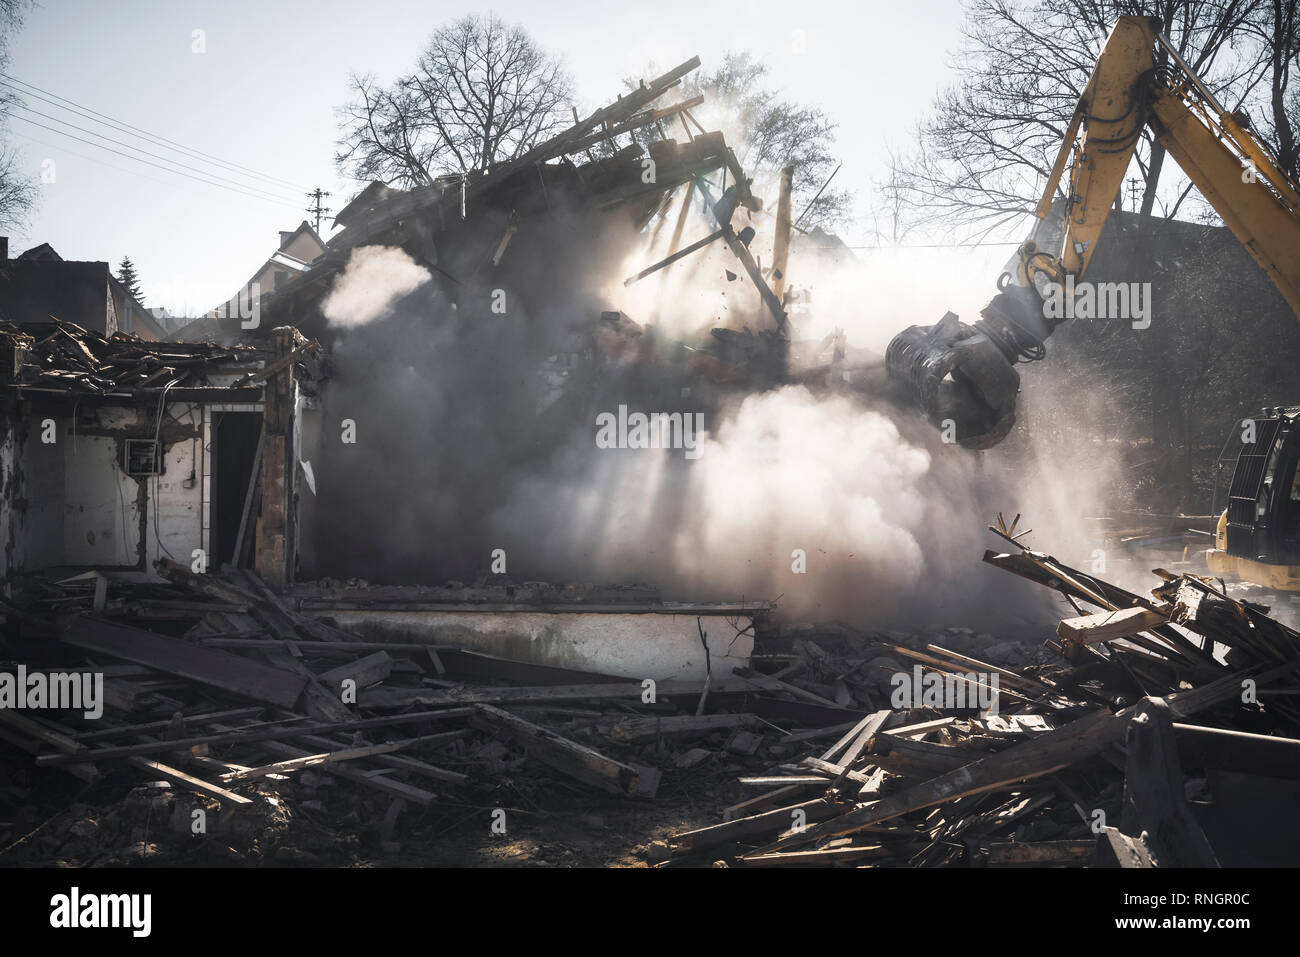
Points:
(477, 432)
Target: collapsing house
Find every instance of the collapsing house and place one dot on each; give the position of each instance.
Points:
(118, 452)
(157, 499)
(163, 524)
(145, 449)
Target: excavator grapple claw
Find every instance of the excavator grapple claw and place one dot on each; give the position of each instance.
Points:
(958, 377)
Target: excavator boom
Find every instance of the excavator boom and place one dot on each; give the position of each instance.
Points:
(963, 376)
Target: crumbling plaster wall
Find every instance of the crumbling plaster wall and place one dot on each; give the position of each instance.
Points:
(83, 509)
(12, 490)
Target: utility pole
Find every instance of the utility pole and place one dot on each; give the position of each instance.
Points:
(317, 209)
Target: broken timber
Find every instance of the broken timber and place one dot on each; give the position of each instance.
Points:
(569, 757)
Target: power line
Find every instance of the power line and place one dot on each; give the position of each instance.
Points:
(127, 127)
(98, 161)
(164, 159)
(137, 159)
(317, 209)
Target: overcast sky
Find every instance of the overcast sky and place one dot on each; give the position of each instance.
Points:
(263, 94)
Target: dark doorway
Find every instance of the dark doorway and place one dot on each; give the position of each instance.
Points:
(235, 441)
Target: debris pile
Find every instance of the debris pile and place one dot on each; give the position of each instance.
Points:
(61, 357)
(226, 703)
(218, 700)
(1130, 751)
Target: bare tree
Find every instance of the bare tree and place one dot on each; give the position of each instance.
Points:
(774, 132)
(982, 155)
(1275, 29)
(18, 191)
(481, 93)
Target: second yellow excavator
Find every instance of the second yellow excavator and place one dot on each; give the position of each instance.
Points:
(963, 376)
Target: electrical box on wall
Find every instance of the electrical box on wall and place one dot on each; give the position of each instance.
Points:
(141, 457)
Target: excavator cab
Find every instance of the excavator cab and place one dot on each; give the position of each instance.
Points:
(1258, 534)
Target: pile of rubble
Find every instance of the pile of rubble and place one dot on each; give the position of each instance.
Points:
(61, 357)
(1127, 740)
(1167, 721)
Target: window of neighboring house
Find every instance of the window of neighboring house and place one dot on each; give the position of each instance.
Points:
(281, 275)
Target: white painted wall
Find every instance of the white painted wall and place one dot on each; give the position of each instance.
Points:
(82, 508)
(658, 646)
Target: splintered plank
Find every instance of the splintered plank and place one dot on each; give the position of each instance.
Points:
(64, 742)
(576, 760)
(343, 754)
(1040, 853)
(379, 782)
(205, 665)
(191, 782)
(755, 804)
(768, 822)
(818, 858)
(851, 731)
(859, 743)
(1109, 625)
(921, 729)
(838, 772)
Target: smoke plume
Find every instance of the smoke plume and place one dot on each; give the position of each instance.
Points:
(477, 431)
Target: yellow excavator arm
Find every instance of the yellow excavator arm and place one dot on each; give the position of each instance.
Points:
(1234, 171)
(963, 376)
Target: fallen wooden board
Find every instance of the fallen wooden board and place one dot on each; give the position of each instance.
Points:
(279, 732)
(1109, 625)
(765, 823)
(1039, 853)
(387, 785)
(837, 772)
(191, 782)
(366, 671)
(819, 858)
(29, 729)
(393, 698)
(344, 754)
(576, 760)
(647, 729)
(173, 656)
(921, 729)
(755, 804)
(779, 780)
(788, 792)
(397, 761)
(869, 727)
(191, 720)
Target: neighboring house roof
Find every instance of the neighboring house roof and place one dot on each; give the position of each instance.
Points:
(362, 204)
(44, 252)
(40, 284)
(284, 259)
(304, 238)
(223, 323)
(36, 288)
